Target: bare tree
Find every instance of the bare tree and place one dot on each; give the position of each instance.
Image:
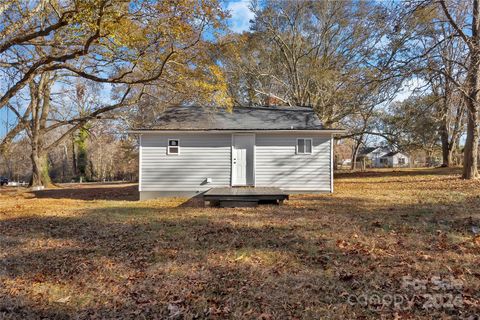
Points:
(128, 46)
(455, 26)
(471, 93)
(329, 55)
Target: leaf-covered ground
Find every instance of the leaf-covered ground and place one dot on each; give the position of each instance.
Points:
(393, 244)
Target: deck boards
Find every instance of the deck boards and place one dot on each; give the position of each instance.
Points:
(244, 196)
(245, 191)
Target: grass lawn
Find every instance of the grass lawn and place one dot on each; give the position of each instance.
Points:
(397, 244)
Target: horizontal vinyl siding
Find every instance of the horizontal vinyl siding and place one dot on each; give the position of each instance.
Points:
(202, 155)
(278, 165)
(208, 155)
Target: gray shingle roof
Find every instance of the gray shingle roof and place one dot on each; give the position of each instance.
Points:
(390, 154)
(367, 150)
(241, 118)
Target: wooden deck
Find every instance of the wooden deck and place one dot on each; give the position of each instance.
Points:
(244, 196)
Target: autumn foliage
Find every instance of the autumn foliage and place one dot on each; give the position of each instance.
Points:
(64, 254)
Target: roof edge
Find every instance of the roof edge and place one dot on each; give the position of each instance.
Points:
(263, 107)
(332, 131)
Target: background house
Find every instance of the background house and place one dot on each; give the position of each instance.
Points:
(382, 157)
(394, 159)
(371, 156)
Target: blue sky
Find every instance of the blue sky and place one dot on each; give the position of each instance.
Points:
(241, 15)
(3, 120)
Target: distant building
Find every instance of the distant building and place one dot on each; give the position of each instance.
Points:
(382, 157)
(394, 159)
(371, 156)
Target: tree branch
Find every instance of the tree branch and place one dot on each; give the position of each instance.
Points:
(40, 33)
(119, 79)
(455, 25)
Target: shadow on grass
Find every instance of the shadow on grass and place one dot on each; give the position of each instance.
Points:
(289, 262)
(382, 173)
(91, 192)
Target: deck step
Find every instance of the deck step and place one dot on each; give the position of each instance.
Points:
(244, 196)
(237, 204)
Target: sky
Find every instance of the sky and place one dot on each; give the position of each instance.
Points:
(241, 15)
(4, 116)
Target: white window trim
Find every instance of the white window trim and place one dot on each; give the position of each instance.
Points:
(168, 147)
(311, 143)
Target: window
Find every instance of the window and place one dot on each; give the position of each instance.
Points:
(401, 160)
(173, 146)
(304, 146)
(383, 160)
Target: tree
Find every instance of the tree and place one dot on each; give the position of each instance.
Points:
(472, 40)
(329, 55)
(128, 45)
(454, 25)
(412, 124)
(447, 54)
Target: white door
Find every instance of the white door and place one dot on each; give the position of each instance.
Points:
(243, 159)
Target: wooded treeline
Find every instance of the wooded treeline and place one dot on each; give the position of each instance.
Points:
(76, 74)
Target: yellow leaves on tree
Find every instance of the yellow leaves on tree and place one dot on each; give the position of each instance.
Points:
(211, 86)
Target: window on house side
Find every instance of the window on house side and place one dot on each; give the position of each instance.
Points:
(401, 160)
(173, 147)
(304, 146)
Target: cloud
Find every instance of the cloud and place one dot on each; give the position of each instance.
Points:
(241, 15)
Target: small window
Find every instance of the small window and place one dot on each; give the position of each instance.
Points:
(383, 160)
(304, 146)
(173, 146)
(401, 160)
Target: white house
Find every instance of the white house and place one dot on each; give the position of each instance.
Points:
(381, 157)
(190, 149)
(394, 159)
(373, 154)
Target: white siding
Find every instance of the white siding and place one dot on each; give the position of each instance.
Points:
(278, 165)
(202, 155)
(393, 161)
(208, 155)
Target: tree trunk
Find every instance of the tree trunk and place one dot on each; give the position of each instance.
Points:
(354, 161)
(40, 175)
(470, 156)
(358, 143)
(74, 158)
(446, 146)
(40, 101)
(64, 163)
(450, 156)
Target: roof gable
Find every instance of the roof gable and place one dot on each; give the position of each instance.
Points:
(393, 153)
(240, 118)
(367, 150)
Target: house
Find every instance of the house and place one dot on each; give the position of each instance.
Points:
(394, 159)
(189, 150)
(382, 157)
(372, 156)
